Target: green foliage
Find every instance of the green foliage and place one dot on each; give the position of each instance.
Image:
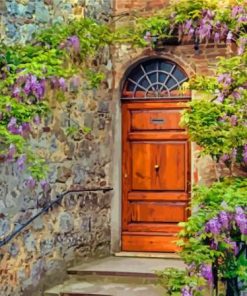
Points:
(220, 127)
(173, 280)
(190, 9)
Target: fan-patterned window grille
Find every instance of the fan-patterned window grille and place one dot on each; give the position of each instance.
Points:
(155, 78)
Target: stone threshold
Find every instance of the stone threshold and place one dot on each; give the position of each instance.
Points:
(148, 255)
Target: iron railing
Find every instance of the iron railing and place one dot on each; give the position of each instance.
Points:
(56, 201)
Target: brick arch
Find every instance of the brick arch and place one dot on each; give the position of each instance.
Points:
(130, 67)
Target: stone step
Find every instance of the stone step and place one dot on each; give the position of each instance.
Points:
(83, 288)
(125, 266)
(115, 276)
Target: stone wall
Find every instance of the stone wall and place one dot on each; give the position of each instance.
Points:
(20, 19)
(80, 227)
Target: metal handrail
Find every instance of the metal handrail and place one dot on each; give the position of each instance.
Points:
(58, 199)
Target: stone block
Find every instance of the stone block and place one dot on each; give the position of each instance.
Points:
(4, 226)
(29, 242)
(42, 14)
(103, 107)
(66, 223)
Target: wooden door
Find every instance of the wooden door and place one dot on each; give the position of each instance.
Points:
(155, 175)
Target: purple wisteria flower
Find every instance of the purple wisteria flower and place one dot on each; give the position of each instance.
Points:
(213, 226)
(25, 129)
(233, 245)
(45, 186)
(16, 92)
(236, 10)
(206, 272)
(241, 220)
(34, 87)
(21, 161)
(187, 26)
(220, 98)
(242, 45)
(225, 157)
(245, 154)
(217, 37)
(62, 84)
(30, 183)
(214, 245)
(12, 126)
(229, 37)
(236, 95)
(224, 219)
(233, 120)
(37, 120)
(186, 292)
(225, 79)
(73, 42)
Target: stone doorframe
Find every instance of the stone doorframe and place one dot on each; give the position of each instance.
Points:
(121, 71)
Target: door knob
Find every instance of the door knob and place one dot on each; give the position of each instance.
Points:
(156, 167)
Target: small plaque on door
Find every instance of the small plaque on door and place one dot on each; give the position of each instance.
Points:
(157, 120)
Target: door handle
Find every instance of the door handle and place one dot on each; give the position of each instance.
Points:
(156, 167)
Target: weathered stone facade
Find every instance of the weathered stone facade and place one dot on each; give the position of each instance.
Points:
(79, 228)
(85, 224)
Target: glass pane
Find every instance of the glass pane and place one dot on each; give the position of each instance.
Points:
(162, 77)
(144, 83)
(171, 83)
(130, 86)
(179, 74)
(153, 77)
(164, 66)
(150, 66)
(136, 74)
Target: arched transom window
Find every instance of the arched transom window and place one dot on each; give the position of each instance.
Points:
(155, 78)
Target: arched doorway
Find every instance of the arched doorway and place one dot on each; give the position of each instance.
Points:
(155, 157)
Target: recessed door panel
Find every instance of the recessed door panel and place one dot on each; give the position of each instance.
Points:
(156, 212)
(158, 165)
(144, 120)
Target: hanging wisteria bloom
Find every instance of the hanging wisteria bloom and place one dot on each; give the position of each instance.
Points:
(13, 127)
(206, 272)
(21, 161)
(241, 220)
(37, 120)
(72, 44)
(45, 186)
(186, 292)
(224, 219)
(213, 226)
(30, 183)
(225, 79)
(233, 245)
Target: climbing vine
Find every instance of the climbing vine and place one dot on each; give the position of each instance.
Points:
(56, 56)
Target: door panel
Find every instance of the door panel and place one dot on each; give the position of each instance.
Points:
(156, 212)
(155, 174)
(146, 242)
(155, 120)
(158, 166)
